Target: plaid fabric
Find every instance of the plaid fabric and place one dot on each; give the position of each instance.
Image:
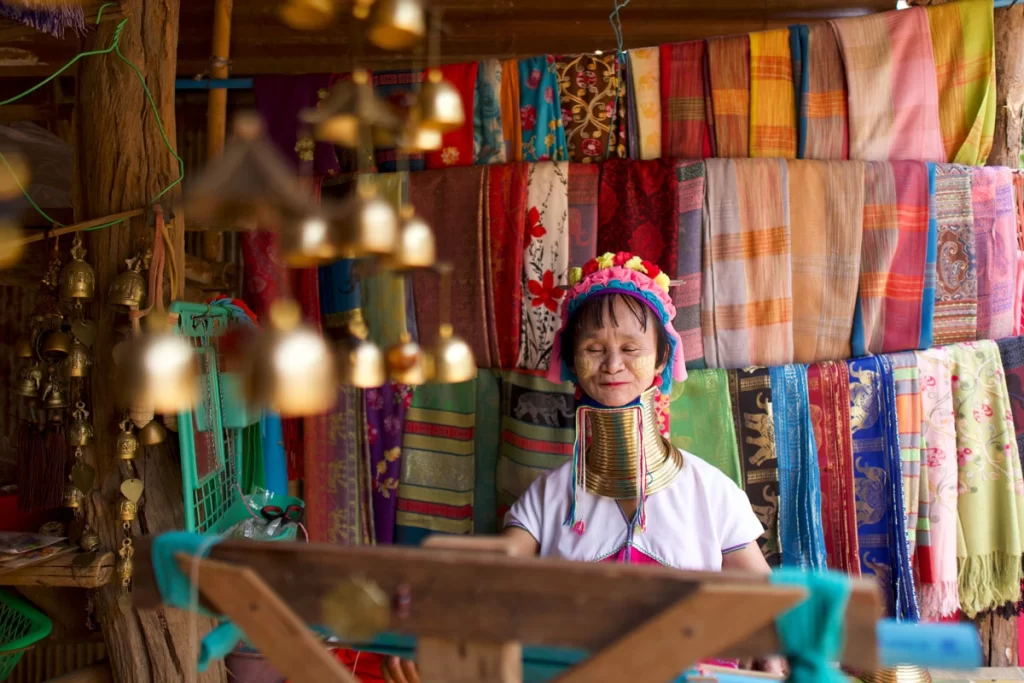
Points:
(893, 97)
(894, 258)
(686, 296)
(729, 68)
(908, 418)
(772, 99)
(824, 130)
(995, 235)
(956, 286)
(645, 76)
(826, 228)
(963, 48)
(684, 126)
(747, 312)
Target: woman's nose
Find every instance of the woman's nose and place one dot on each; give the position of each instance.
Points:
(613, 363)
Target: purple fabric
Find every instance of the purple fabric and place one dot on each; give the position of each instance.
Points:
(279, 99)
(385, 416)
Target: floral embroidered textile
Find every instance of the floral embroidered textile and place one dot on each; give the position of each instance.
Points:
(540, 115)
(589, 85)
(488, 136)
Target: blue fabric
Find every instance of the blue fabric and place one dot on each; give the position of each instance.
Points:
(801, 531)
(540, 110)
(928, 296)
(488, 143)
(799, 45)
(812, 633)
(339, 290)
(275, 463)
(857, 344)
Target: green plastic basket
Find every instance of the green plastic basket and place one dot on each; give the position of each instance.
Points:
(21, 627)
(211, 434)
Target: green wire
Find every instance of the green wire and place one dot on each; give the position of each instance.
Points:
(115, 47)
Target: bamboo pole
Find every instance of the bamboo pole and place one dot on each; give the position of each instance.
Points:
(217, 110)
(84, 225)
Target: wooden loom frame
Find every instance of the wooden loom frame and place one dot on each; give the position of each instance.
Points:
(471, 603)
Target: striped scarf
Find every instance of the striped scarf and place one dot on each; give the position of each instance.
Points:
(685, 132)
(772, 99)
(729, 69)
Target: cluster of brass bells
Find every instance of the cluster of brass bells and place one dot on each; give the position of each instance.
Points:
(77, 278)
(128, 290)
(158, 370)
(394, 24)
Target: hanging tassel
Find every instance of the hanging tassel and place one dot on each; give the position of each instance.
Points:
(53, 466)
(53, 18)
(579, 471)
(30, 451)
(641, 508)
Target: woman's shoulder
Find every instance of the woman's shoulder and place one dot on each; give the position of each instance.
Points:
(705, 475)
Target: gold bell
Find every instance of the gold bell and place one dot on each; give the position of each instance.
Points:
(128, 289)
(452, 359)
(290, 368)
(308, 242)
(12, 243)
(89, 541)
(360, 362)
(54, 395)
(23, 347)
(81, 432)
(440, 105)
(127, 444)
(307, 15)
(79, 361)
(73, 497)
(369, 225)
(416, 245)
(30, 377)
(418, 138)
(407, 364)
(127, 510)
(152, 434)
(77, 278)
(351, 109)
(397, 24)
(159, 370)
(56, 346)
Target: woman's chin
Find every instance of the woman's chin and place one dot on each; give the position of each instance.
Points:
(613, 397)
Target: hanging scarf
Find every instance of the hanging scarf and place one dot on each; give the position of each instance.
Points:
(772, 103)
(897, 261)
(506, 220)
(540, 116)
(995, 239)
(685, 132)
(589, 85)
(936, 560)
(931, 256)
(435, 494)
(457, 146)
(991, 501)
(630, 121)
(702, 422)
(963, 48)
(729, 69)
(537, 432)
(645, 77)
(1011, 353)
(686, 295)
(454, 199)
(908, 416)
(956, 285)
(1018, 193)
(828, 391)
(750, 390)
(584, 181)
(801, 531)
(823, 123)
(878, 483)
(511, 126)
(893, 96)
(383, 293)
(747, 290)
(488, 140)
(398, 88)
(826, 227)
(798, 37)
(638, 210)
(332, 492)
(487, 446)
(53, 18)
(385, 416)
(545, 262)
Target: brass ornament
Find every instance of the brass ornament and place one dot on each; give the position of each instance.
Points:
(79, 360)
(53, 528)
(127, 510)
(416, 246)
(125, 566)
(132, 489)
(397, 24)
(54, 394)
(309, 241)
(82, 475)
(77, 278)
(158, 371)
(56, 346)
(360, 361)
(128, 290)
(126, 446)
(73, 496)
(30, 378)
(349, 112)
(899, 674)
(308, 15)
(407, 364)
(356, 610)
(451, 360)
(152, 434)
(89, 541)
(23, 347)
(368, 224)
(81, 432)
(439, 105)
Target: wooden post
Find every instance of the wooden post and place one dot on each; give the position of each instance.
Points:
(123, 162)
(217, 110)
(1009, 25)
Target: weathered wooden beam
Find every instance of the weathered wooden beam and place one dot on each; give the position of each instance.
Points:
(64, 571)
(1006, 144)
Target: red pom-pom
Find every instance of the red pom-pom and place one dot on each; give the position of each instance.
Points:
(590, 267)
(658, 381)
(579, 527)
(652, 269)
(621, 258)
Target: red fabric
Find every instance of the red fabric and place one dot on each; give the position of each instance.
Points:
(638, 210)
(506, 221)
(685, 132)
(366, 667)
(457, 147)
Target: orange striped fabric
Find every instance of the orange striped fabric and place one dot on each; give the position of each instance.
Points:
(772, 96)
(823, 106)
(729, 69)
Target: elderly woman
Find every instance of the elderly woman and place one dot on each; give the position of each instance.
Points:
(627, 495)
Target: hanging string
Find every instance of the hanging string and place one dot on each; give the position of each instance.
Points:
(620, 66)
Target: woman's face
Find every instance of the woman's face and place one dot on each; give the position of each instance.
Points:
(617, 363)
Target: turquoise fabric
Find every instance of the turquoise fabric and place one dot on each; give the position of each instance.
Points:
(811, 634)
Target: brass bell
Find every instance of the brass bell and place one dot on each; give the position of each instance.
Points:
(368, 225)
(440, 105)
(418, 138)
(360, 361)
(128, 290)
(349, 112)
(307, 15)
(81, 432)
(89, 541)
(56, 346)
(30, 377)
(152, 434)
(127, 510)
(397, 24)
(452, 359)
(54, 395)
(127, 444)
(158, 370)
(290, 367)
(407, 364)
(53, 528)
(79, 361)
(308, 242)
(12, 243)
(125, 566)
(23, 347)
(73, 497)
(77, 278)
(416, 245)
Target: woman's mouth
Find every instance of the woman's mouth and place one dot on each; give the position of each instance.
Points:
(614, 384)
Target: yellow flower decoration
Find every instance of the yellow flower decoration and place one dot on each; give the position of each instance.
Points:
(663, 281)
(606, 260)
(575, 275)
(635, 264)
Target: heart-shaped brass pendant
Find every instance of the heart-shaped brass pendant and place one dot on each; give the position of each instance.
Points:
(84, 331)
(132, 489)
(83, 476)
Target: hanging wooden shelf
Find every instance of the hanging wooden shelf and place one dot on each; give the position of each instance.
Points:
(64, 571)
